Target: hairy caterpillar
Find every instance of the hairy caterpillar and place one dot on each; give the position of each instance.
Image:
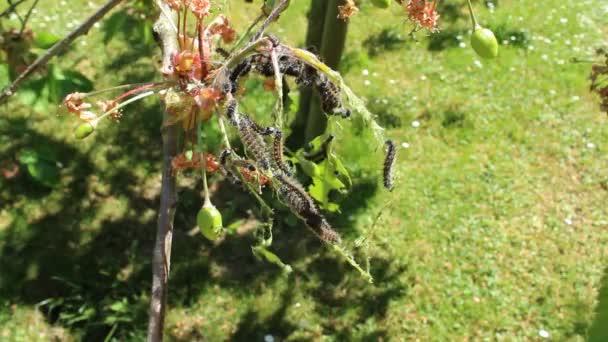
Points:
(301, 204)
(305, 75)
(232, 111)
(224, 162)
(254, 143)
(250, 132)
(331, 102)
(277, 152)
(320, 154)
(246, 120)
(389, 162)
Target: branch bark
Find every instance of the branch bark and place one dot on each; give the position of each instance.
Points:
(161, 261)
(57, 48)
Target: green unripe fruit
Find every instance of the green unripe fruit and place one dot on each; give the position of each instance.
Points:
(381, 3)
(84, 130)
(209, 221)
(484, 43)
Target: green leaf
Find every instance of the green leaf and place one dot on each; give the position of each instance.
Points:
(45, 173)
(120, 306)
(264, 253)
(28, 156)
(40, 167)
(45, 40)
(326, 182)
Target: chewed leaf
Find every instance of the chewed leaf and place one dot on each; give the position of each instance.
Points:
(262, 252)
(340, 169)
(356, 105)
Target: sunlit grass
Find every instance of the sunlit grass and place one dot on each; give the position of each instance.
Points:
(497, 227)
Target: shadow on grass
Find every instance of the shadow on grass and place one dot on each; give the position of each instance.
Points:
(88, 269)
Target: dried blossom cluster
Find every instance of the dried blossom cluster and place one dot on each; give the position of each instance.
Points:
(200, 8)
(599, 83)
(75, 104)
(422, 13)
(347, 10)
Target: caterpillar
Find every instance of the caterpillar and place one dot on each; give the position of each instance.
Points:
(320, 154)
(232, 111)
(277, 152)
(301, 204)
(246, 120)
(305, 75)
(254, 143)
(389, 162)
(329, 93)
(224, 162)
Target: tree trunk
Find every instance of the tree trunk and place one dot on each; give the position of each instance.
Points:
(161, 262)
(332, 47)
(314, 38)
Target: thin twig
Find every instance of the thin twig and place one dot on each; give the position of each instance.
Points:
(11, 8)
(278, 84)
(27, 16)
(280, 7)
(161, 264)
(16, 13)
(57, 48)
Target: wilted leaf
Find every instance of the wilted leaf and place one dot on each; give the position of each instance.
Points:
(262, 252)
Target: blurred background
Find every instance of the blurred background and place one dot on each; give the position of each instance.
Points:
(497, 228)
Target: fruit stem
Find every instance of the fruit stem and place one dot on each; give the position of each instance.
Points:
(203, 161)
(129, 101)
(473, 19)
(126, 86)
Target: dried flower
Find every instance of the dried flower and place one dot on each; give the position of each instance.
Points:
(221, 26)
(423, 13)
(347, 10)
(206, 100)
(75, 104)
(182, 162)
(174, 4)
(200, 8)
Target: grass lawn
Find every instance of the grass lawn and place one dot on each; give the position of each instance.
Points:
(497, 228)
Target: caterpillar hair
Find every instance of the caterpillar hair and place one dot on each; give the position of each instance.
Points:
(319, 225)
(329, 93)
(389, 162)
(320, 154)
(224, 162)
(254, 143)
(223, 52)
(232, 111)
(277, 152)
(294, 195)
(302, 205)
(246, 120)
(240, 70)
(224, 156)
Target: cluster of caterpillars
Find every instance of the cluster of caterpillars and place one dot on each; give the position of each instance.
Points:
(270, 158)
(305, 75)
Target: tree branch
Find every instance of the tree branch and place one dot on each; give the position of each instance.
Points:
(11, 8)
(27, 16)
(57, 48)
(161, 263)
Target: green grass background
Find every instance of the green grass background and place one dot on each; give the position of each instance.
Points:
(497, 228)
